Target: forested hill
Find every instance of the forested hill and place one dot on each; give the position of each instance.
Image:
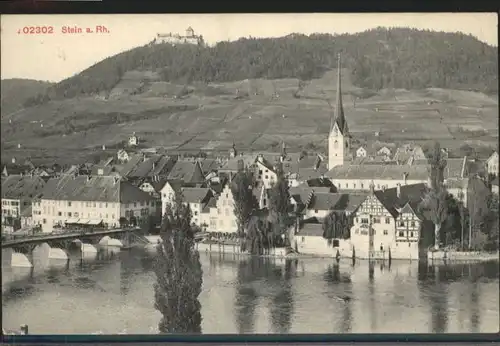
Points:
(378, 58)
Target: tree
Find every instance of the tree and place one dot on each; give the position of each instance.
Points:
(478, 196)
(178, 271)
(337, 225)
(279, 204)
(435, 203)
(244, 199)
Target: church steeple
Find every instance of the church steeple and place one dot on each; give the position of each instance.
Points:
(339, 145)
(338, 117)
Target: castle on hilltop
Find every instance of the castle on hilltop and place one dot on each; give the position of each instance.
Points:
(189, 38)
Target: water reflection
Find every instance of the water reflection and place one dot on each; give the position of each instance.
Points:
(260, 295)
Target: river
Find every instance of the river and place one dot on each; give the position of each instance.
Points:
(257, 295)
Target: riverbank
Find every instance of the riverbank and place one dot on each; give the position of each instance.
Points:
(462, 256)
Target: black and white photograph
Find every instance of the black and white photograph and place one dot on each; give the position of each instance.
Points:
(249, 173)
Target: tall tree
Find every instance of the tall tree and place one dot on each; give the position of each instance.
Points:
(279, 204)
(178, 272)
(478, 196)
(336, 225)
(244, 200)
(435, 202)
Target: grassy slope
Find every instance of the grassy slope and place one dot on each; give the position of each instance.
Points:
(16, 91)
(212, 118)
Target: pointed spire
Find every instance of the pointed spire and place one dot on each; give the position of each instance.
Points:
(338, 116)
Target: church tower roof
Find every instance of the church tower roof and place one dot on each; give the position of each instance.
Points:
(338, 116)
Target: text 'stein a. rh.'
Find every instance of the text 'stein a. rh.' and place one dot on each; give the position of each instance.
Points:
(66, 29)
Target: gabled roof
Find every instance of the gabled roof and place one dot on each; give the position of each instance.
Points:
(93, 189)
(195, 194)
(212, 203)
(408, 194)
(188, 171)
(21, 186)
(15, 169)
(368, 172)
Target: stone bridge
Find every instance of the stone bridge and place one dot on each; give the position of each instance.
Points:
(28, 251)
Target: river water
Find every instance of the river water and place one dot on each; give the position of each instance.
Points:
(256, 295)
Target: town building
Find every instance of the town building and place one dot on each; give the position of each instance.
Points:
(492, 164)
(133, 140)
(18, 193)
(197, 198)
(388, 224)
(384, 151)
(361, 152)
(91, 200)
(123, 156)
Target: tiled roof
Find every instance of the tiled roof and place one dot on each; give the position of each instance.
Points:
(301, 193)
(318, 182)
(156, 165)
(232, 164)
(311, 230)
(22, 186)
(337, 201)
(15, 169)
(376, 160)
(456, 183)
(188, 171)
(195, 194)
(94, 189)
(379, 172)
(212, 203)
(408, 194)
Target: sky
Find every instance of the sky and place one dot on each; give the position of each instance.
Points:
(54, 57)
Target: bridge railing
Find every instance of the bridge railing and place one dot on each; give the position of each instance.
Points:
(60, 232)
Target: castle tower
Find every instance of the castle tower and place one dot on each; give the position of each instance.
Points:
(339, 139)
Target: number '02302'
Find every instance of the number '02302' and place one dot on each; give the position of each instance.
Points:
(36, 30)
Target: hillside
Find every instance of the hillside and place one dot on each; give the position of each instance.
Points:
(15, 92)
(378, 59)
(212, 116)
(258, 92)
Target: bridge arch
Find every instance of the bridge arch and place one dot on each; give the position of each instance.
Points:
(110, 242)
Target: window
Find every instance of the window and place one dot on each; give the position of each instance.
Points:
(411, 234)
(365, 221)
(336, 243)
(386, 232)
(93, 205)
(354, 186)
(135, 204)
(303, 239)
(387, 220)
(401, 234)
(260, 171)
(195, 213)
(106, 205)
(266, 177)
(357, 220)
(347, 185)
(336, 144)
(44, 221)
(376, 220)
(402, 224)
(69, 204)
(59, 213)
(413, 224)
(69, 214)
(142, 204)
(362, 185)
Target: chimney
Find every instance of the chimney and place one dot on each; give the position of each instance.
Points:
(13, 160)
(103, 147)
(398, 190)
(19, 146)
(260, 158)
(143, 157)
(372, 188)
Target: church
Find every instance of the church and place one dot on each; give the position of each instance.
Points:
(347, 175)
